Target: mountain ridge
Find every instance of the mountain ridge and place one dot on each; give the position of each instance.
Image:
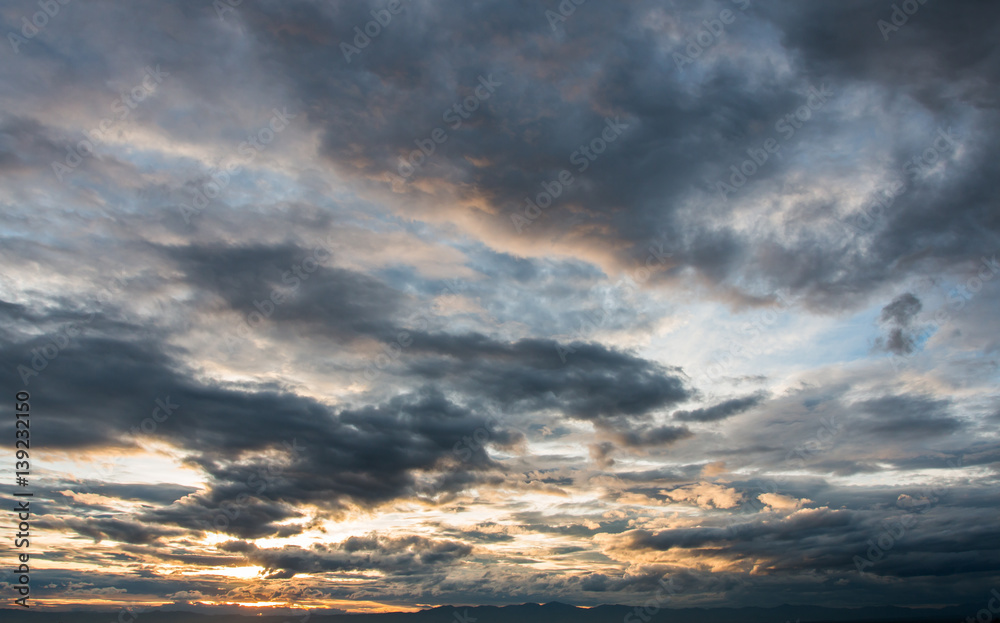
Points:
(549, 612)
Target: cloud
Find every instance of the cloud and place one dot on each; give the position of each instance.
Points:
(898, 316)
(722, 410)
(596, 383)
(510, 410)
(398, 556)
(321, 300)
(909, 416)
(706, 495)
(902, 309)
(782, 502)
(112, 529)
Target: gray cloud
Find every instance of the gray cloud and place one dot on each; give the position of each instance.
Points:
(403, 555)
(898, 317)
(722, 410)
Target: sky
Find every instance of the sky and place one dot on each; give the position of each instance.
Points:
(383, 305)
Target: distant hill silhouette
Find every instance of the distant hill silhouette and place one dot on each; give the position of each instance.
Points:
(553, 612)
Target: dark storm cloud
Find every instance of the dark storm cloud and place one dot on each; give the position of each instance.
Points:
(935, 61)
(339, 303)
(380, 445)
(844, 467)
(897, 317)
(158, 494)
(135, 582)
(909, 416)
(181, 555)
(125, 531)
(655, 436)
(933, 49)
(371, 109)
(902, 309)
(25, 144)
(595, 383)
(722, 410)
(826, 540)
(364, 455)
(678, 141)
(828, 429)
(393, 555)
(663, 475)
(228, 509)
(898, 342)
(69, 494)
(600, 583)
